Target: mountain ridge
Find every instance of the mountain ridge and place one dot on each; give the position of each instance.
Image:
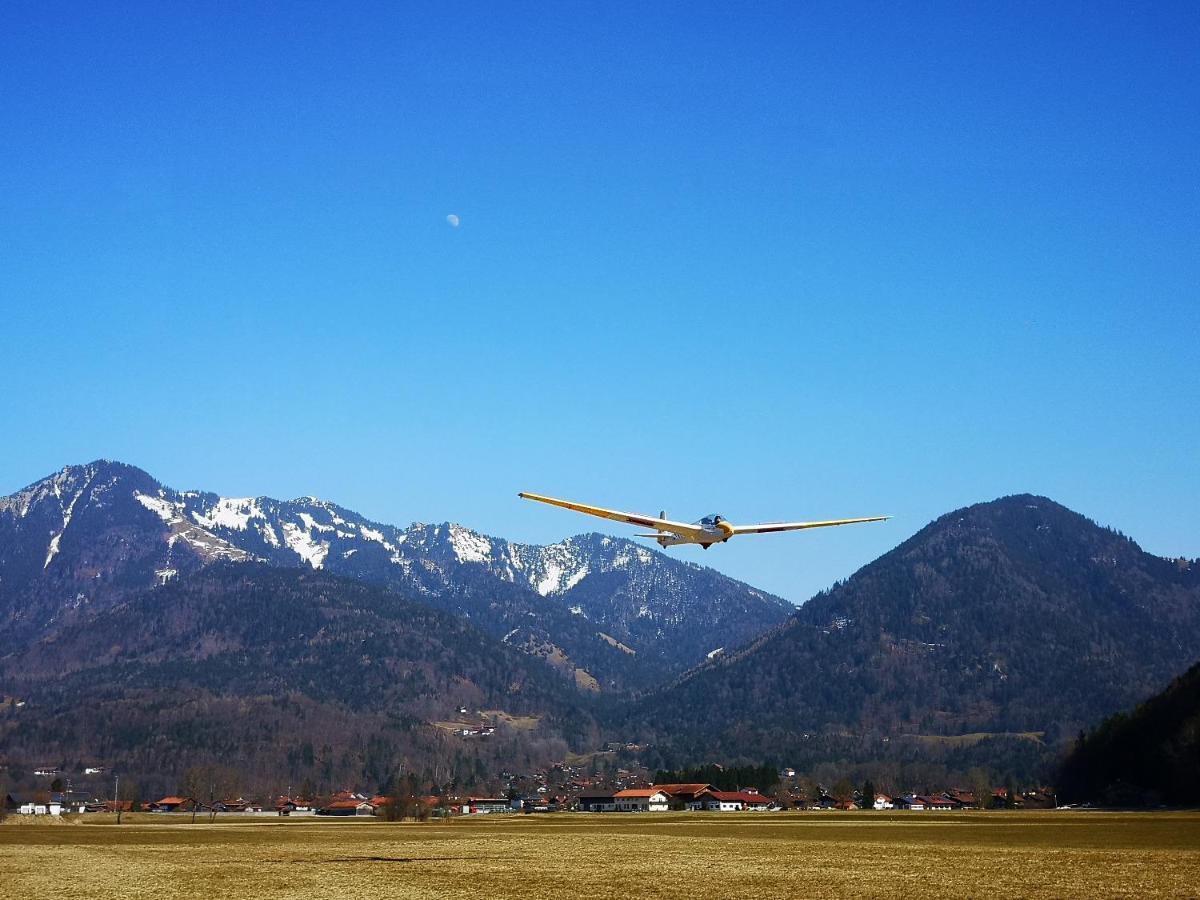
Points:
(584, 602)
(1008, 617)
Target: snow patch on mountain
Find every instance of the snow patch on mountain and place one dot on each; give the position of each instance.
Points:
(67, 512)
(312, 524)
(550, 580)
(160, 506)
(52, 550)
(302, 544)
(469, 546)
(372, 534)
(234, 513)
(268, 532)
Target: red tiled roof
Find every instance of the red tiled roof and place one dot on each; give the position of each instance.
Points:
(692, 789)
(639, 792)
(345, 804)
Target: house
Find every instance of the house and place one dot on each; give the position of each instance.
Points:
(1039, 798)
(488, 805)
(1000, 799)
(37, 804)
(47, 771)
(597, 803)
(719, 801)
(909, 801)
(114, 806)
(755, 801)
(347, 808)
(94, 770)
(883, 801)
(730, 801)
(642, 800)
(937, 802)
(961, 799)
(682, 794)
(174, 804)
(430, 801)
(846, 805)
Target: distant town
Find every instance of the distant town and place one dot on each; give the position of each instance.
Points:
(562, 788)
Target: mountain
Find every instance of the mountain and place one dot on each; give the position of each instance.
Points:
(294, 673)
(1147, 757)
(608, 613)
(1017, 617)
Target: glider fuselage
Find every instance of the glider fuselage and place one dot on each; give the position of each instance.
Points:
(713, 530)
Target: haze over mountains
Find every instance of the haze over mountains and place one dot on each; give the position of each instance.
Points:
(154, 626)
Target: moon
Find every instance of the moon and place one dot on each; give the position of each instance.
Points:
(452, 220)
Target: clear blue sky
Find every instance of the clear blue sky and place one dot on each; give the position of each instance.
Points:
(770, 263)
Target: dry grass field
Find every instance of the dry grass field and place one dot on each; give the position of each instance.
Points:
(697, 856)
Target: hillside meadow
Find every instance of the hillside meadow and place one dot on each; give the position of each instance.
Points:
(697, 856)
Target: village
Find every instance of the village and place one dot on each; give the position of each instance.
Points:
(562, 788)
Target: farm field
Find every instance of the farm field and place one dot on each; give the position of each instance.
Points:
(692, 855)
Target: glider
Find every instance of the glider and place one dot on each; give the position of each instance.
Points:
(710, 530)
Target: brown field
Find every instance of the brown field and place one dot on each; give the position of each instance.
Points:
(697, 856)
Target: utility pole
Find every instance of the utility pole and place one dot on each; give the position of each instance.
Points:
(117, 796)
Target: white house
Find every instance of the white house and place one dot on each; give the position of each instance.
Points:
(883, 801)
(489, 805)
(597, 803)
(41, 809)
(731, 801)
(641, 800)
(724, 801)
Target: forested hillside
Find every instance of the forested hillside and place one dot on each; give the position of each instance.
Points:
(286, 671)
(1146, 757)
(1013, 621)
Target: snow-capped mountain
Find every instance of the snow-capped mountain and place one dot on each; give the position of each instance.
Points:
(608, 612)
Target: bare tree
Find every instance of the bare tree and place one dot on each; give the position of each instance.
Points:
(210, 781)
